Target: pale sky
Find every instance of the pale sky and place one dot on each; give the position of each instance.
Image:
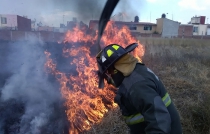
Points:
(54, 12)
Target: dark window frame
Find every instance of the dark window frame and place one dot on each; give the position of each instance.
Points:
(3, 20)
(133, 28)
(195, 29)
(147, 28)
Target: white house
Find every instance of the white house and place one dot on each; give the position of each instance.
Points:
(208, 30)
(14, 22)
(199, 29)
(8, 21)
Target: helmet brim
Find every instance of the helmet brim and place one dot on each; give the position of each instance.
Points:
(131, 47)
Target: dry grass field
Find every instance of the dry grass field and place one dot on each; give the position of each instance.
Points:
(184, 67)
(182, 64)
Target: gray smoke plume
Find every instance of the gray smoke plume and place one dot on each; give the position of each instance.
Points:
(29, 89)
(127, 7)
(56, 11)
(92, 9)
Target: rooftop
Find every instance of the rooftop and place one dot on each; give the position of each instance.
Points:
(189, 25)
(124, 22)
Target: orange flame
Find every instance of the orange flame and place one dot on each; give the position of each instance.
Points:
(85, 103)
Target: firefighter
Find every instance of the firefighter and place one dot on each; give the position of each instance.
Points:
(144, 102)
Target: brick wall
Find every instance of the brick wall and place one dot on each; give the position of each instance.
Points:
(23, 24)
(185, 30)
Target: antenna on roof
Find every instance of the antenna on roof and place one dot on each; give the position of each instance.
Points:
(150, 16)
(172, 16)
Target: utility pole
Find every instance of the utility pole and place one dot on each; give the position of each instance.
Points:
(150, 16)
(63, 19)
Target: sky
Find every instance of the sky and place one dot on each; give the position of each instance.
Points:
(54, 12)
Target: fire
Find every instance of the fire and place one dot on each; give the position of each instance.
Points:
(85, 103)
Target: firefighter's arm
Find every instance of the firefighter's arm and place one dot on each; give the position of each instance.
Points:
(146, 100)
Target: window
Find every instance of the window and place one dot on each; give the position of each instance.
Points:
(147, 28)
(3, 20)
(195, 29)
(132, 28)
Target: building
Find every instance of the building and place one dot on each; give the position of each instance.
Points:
(15, 22)
(208, 29)
(74, 23)
(199, 26)
(198, 20)
(167, 27)
(33, 25)
(185, 30)
(200, 29)
(135, 27)
(71, 25)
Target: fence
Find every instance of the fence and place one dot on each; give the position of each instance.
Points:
(26, 35)
(179, 36)
(48, 36)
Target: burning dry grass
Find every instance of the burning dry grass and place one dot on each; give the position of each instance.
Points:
(182, 65)
(184, 68)
(85, 104)
(112, 124)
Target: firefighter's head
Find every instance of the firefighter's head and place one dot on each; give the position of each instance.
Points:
(106, 59)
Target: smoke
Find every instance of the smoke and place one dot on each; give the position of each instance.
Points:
(129, 9)
(30, 99)
(54, 12)
(87, 9)
(92, 9)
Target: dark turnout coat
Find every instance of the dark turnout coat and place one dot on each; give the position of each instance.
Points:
(146, 105)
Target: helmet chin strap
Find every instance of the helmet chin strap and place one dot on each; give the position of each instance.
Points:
(115, 79)
(110, 80)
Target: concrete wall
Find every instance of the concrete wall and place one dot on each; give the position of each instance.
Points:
(52, 29)
(159, 28)
(147, 35)
(5, 35)
(170, 28)
(45, 28)
(202, 30)
(208, 31)
(25, 35)
(11, 21)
